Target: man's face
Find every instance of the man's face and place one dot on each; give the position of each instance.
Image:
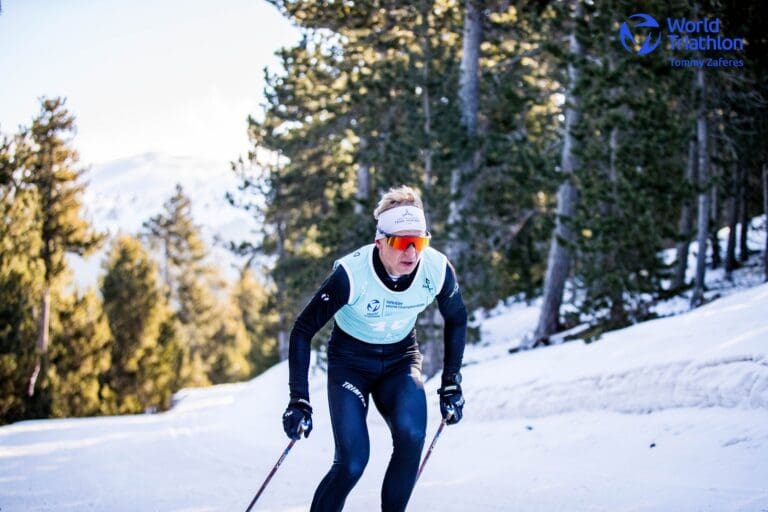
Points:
(396, 262)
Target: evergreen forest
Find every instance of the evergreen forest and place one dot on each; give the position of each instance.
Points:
(557, 159)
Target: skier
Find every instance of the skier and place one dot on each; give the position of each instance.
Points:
(375, 294)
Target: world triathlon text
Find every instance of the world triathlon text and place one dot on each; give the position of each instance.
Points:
(699, 35)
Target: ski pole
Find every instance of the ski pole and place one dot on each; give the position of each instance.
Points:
(302, 428)
(434, 441)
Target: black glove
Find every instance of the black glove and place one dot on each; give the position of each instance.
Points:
(297, 418)
(451, 399)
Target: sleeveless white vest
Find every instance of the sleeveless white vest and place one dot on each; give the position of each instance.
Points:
(376, 314)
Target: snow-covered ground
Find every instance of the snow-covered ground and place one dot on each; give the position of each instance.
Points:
(667, 415)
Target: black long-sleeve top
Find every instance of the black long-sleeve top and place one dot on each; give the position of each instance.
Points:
(333, 294)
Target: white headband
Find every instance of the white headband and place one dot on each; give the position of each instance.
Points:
(401, 218)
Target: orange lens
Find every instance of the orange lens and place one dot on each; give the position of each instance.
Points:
(401, 243)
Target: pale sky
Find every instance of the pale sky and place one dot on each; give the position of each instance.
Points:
(176, 77)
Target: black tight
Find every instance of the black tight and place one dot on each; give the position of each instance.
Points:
(391, 375)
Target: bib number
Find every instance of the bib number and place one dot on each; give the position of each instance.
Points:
(388, 326)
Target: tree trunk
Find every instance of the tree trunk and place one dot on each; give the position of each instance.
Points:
(430, 322)
(432, 350)
(715, 220)
(426, 98)
(470, 65)
(685, 226)
(704, 195)
(732, 208)
(427, 155)
(42, 337)
(363, 179)
(468, 103)
(283, 338)
(427, 152)
(559, 259)
(167, 268)
(283, 332)
(744, 219)
(618, 314)
(765, 212)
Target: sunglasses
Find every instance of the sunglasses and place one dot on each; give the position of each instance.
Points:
(401, 243)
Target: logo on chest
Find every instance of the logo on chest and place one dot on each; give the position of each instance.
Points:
(374, 308)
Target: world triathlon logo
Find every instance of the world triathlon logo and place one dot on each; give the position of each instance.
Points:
(643, 27)
(374, 306)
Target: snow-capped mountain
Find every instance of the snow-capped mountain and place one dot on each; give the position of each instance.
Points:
(122, 194)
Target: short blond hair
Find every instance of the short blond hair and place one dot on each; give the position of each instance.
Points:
(398, 196)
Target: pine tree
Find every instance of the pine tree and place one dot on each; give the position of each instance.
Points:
(214, 339)
(198, 321)
(351, 116)
(371, 98)
(463, 175)
(559, 259)
(40, 206)
(504, 224)
(633, 132)
(146, 354)
(80, 354)
(372, 95)
(21, 284)
(175, 235)
(260, 323)
(182, 252)
(49, 166)
(702, 136)
(229, 359)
